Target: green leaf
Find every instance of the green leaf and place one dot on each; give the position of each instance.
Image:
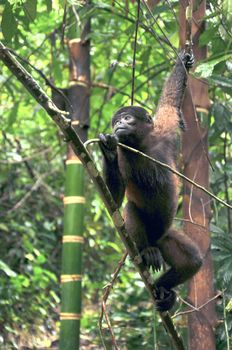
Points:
(5, 268)
(222, 116)
(30, 9)
(54, 296)
(216, 229)
(208, 35)
(115, 247)
(205, 69)
(4, 227)
(229, 306)
(8, 24)
(222, 81)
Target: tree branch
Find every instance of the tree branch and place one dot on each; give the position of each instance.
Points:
(59, 117)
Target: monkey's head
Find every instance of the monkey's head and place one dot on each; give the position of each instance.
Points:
(132, 124)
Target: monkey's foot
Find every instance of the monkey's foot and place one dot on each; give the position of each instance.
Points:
(152, 257)
(165, 299)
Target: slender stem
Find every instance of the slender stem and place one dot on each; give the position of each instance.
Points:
(134, 55)
(167, 167)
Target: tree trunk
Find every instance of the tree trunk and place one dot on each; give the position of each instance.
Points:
(78, 95)
(196, 203)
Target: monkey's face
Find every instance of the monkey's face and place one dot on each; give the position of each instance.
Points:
(125, 124)
(131, 125)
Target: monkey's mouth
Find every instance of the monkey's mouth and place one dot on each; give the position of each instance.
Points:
(119, 128)
(125, 128)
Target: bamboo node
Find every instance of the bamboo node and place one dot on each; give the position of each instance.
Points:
(74, 200)
(74, 160)
(69, 316)
(202, 110)
(70, 278)
(72, 239)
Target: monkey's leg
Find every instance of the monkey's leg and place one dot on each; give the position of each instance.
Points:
(184, 258)
(137, 231)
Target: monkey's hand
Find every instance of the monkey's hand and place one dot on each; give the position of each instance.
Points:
(187, 59)
(108, 145)
(152, 257)
(165, 299)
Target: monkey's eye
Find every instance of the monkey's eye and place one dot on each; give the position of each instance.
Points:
(127, 117)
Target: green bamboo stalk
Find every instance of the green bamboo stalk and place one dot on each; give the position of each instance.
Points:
(78, 95)
(71, 271)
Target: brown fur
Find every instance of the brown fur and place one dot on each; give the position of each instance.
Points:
(151, 190)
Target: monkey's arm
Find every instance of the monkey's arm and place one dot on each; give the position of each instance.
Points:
(112, 175)
(168, 116)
